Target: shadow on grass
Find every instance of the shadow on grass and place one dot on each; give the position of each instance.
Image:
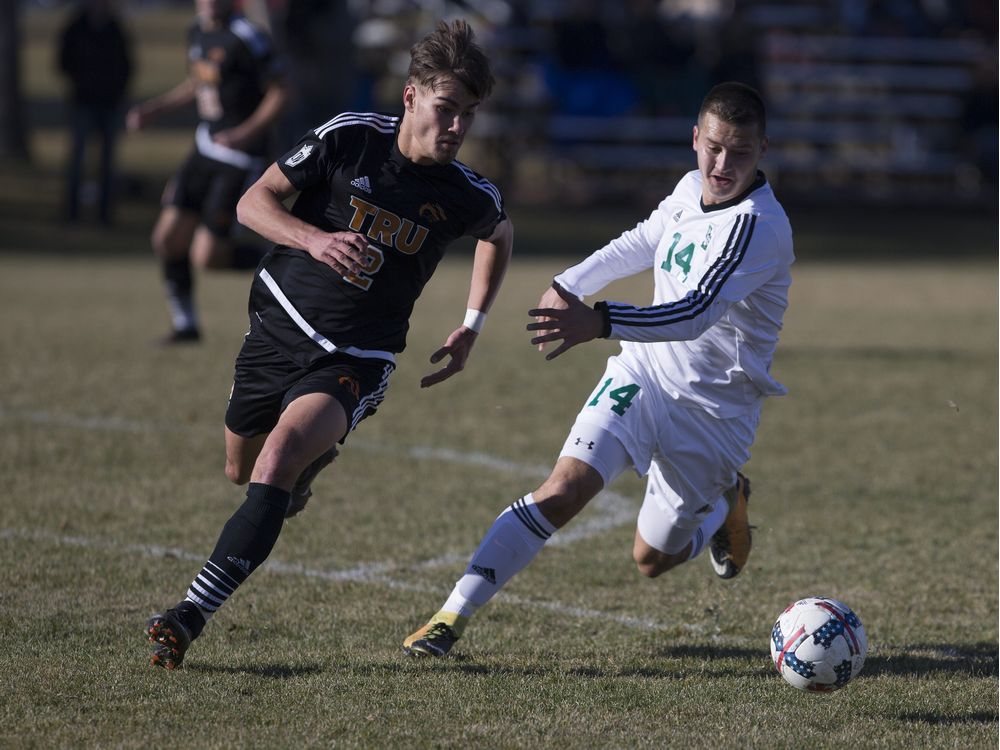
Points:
(707, 661)
(268, 671)
(978, 660)
(974, 717)
(918, 660)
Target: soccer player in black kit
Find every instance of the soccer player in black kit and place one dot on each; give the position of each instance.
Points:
(236, 83)
(379, 200)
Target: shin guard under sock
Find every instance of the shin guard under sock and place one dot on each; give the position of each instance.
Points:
(245, 542)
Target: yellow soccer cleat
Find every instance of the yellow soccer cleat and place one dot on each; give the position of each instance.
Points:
(436, 637)
(730, 546)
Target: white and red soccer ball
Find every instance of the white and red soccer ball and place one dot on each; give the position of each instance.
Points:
(818, 644)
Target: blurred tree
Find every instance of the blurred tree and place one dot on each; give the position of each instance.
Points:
(13, 140)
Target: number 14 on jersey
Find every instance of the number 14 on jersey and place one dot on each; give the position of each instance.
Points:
(622, 396)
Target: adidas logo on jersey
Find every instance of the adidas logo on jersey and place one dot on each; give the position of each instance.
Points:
(488, 573)
(362, 184)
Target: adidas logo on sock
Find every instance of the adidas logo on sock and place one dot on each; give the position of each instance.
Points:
(488, 573)
(362, 184)
(240, 563)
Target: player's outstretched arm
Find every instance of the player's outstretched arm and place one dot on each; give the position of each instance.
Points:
(488, 271)
(564, 317)
(262, 209)
(143, 113)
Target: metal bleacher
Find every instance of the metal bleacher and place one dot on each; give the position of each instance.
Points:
(870, 117)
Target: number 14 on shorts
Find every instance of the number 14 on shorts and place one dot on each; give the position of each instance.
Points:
(620, 397)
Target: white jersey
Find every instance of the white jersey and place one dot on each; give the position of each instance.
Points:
(721, 277)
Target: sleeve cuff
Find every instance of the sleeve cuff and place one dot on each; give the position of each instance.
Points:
(602, 308)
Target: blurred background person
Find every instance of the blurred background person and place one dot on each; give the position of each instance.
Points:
(95, 57)
(240, 92)
(315, 39)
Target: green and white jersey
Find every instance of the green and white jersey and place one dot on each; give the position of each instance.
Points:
(721, 275)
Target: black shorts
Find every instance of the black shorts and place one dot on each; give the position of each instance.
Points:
(266, 382)
(210, 189)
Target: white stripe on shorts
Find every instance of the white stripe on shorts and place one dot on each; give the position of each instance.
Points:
(312, 333)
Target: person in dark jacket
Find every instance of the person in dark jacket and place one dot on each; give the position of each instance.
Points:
(95, 56)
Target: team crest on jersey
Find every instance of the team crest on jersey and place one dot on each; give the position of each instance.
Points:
(432, 212)
(206, 72)
(708, 237)
(299, 156)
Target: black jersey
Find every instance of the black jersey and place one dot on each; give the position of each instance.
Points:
(231, 67)
(352, 177)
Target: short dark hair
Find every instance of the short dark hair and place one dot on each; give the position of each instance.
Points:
(735, 103)
(451, 51)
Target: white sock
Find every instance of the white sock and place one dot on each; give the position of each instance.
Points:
(708, 527)
(518, 534)
(182, 313)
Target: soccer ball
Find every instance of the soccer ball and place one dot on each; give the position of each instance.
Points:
(818, 644)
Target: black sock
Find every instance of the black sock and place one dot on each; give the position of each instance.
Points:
(245, 542)
(178, 277)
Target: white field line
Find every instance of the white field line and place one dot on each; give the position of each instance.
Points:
(607, 511)
(371, 574)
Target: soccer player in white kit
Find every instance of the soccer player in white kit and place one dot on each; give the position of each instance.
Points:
(681, 402)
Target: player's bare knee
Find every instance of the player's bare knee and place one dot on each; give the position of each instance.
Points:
(167, 245)
(653, 569)
(210, 256)
(270, 469)
(652, 563)
(279, 463)
(649, 570)
(237, 474)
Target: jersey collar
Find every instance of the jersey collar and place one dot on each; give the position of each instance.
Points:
(758, 183)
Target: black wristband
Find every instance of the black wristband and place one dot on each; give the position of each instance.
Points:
(602, 308)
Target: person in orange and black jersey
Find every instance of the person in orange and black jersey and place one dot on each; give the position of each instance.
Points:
(239, 88)
(380, 200)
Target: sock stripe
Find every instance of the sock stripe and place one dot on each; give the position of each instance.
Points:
(205, 585)
(223, 577)
(697, 542)
(245, 542)
(523, 513)
(203, 598)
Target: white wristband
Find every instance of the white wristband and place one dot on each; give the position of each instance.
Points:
(474, 320)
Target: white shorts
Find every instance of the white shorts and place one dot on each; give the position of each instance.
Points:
(690, 457)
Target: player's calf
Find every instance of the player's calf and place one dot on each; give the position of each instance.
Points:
(302, 490)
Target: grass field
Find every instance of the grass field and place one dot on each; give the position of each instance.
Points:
(875, 482)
